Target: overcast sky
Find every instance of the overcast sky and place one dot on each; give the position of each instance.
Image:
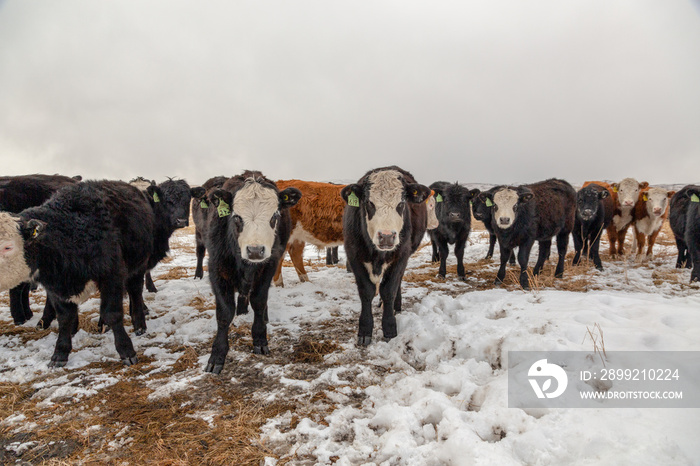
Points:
(471, 91)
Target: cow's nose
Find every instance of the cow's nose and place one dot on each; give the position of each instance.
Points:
(182, 222)
(587, 212)
(628, 204)
(455, 215)
(386, 239)
(657, 210)
(255, 252)
(505, 221)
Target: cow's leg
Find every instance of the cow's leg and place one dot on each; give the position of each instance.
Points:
(460, 245)
(225, 310)
(523, 258)
(436, 254)
(397, 300)
(511, 259)
(201, 250)
(578, 244)
(595, 253)
(277, 280)
(134, 287)
(150, 286)
(48, 315)
(366, 289)
(681, 261)
(652, 242)
(19, 309)
(562, 246)
(612, 240)
(67, 314)
(242, 306)
(544, 250)
(492, 245)
(443, 252)
(621, 240)
(336, 259)
(640, 239)
(505, 256)
(296, 253)
(388, 290)
(332, 255)
(695, 258)
(112, 315)
(258, 301)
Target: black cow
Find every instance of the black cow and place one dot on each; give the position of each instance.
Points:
(692, 230)
(383, 223)
(248, 235)
(16, 194)
(200, 214)
(482, 211)
(594, 212)
(96, 234)
(535, 212)
(455, 222)
(677, 218)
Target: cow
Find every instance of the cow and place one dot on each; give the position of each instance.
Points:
(455, 220)
(383, 224)
(95, 235)
(16, 194)
(316, 219)
(482, 211)
(649, 214)
(247, 238)
(529, 213)
(200, 215)
(677, 216)
(692, 230)
(594, 213)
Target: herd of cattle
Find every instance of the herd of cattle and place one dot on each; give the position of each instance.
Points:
(76, 237)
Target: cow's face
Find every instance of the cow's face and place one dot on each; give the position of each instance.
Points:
(174, 197)
(628, 191)
(256, 216)
(382, 200)
(452, 201)
(587, 202)
(656, 201)
(506, 202)
(481, 206)
(13, 266)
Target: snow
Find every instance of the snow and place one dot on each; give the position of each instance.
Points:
(441, 394)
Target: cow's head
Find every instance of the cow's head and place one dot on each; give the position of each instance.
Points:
(382, 196)
(171, 202)
(13, 266)
(452, 201)
(588, 201)
(656, 200)
(255, 211)
(693, 192)
(482, 206)
(628, 191)
(433, 222)
(505, 204)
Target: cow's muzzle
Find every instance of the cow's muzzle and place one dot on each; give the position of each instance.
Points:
(255, 253)
(386, 239)
(182, 222)
(504, 222)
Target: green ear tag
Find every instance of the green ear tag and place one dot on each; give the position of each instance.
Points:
(488, 202)
(224, 209)
(438, 198)
(204, 204)
(694, 198)
(155, 197)
(353, 200)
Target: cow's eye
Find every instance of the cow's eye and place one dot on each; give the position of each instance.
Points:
(274, 219)
(238, 223)
(401, 207)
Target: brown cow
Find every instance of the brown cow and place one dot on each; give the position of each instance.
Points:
(624, 195)
(649, 214)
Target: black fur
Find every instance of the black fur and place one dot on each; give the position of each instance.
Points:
(16, 194)
(455, 219)
(692, 231)
(677, 218)
(594, 212)
(545, 209)
(200, 215)
(99, 231)
(360, 251)
(230, 274)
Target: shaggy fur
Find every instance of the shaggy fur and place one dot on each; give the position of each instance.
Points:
(594, 212)
(678, 210)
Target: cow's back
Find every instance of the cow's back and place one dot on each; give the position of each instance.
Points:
(21, 192)
(555, 207)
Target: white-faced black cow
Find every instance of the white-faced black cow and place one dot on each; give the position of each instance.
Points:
(678, 208)
(95, 235)
(454, 223)
(535, 212)
(247, 237)
(200, 214)
(383, 224)
(482, 210)
(594, 212)
(16, 194)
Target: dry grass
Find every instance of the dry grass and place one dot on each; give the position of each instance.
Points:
(176, 273)
(310, 351)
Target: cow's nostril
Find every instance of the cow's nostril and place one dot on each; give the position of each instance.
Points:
(255, 252)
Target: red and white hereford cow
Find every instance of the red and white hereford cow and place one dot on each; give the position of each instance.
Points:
(649, 214)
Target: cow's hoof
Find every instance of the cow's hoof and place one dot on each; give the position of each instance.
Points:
(463, 278)
(214, 368)
(58, 362)
(139, 332)
(364, 340)
(19, 321)
(559, 275)
(130, 361)
(388, 339)
(262, 349)
(198, 274)
(40, 325)
(441, 276)
(146, 311)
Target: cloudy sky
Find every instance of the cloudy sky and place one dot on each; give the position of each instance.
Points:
(485, 91)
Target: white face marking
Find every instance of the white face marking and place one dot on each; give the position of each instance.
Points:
(13, 268)
(433, 222)
(385, 193)
(657, 201)
(628, 192)
(89, 290)
(256, 205)
(504, 208)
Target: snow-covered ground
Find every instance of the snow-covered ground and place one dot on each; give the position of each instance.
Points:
(436, 394)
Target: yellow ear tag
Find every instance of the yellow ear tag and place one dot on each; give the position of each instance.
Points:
(614, 189)
(694, 198)
(35, 232)
(224, 209)
(285, 198)
(488, 202)
(204, 204)
(353, 200)
(155, 197)
(645, 197)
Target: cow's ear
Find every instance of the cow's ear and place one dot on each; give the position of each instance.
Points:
(643, 184)
(603, 193)
(32, 229)
(154, 193)
(198, 192)
(474, 193)
(615, 187)
(525, 196)
(221, 195)
(486, 198)
(671, 194)
(289, 197)
(417, 193)
(352, 194)
(693, 194)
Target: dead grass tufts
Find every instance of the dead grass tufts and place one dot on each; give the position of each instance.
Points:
(188, 360)
(175, 273)
(24, 333)
(310, 351)
(201, 304)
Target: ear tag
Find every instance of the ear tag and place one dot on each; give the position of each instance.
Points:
(438, 198)
(35, 232)
(353, 200)
(614, 189)
(285, 198)
(224, 209)
(155, 197)
(645, 197)
(694, 198)
(488, 202)
(204, 204)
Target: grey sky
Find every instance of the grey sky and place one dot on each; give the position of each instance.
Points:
(469, 91)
